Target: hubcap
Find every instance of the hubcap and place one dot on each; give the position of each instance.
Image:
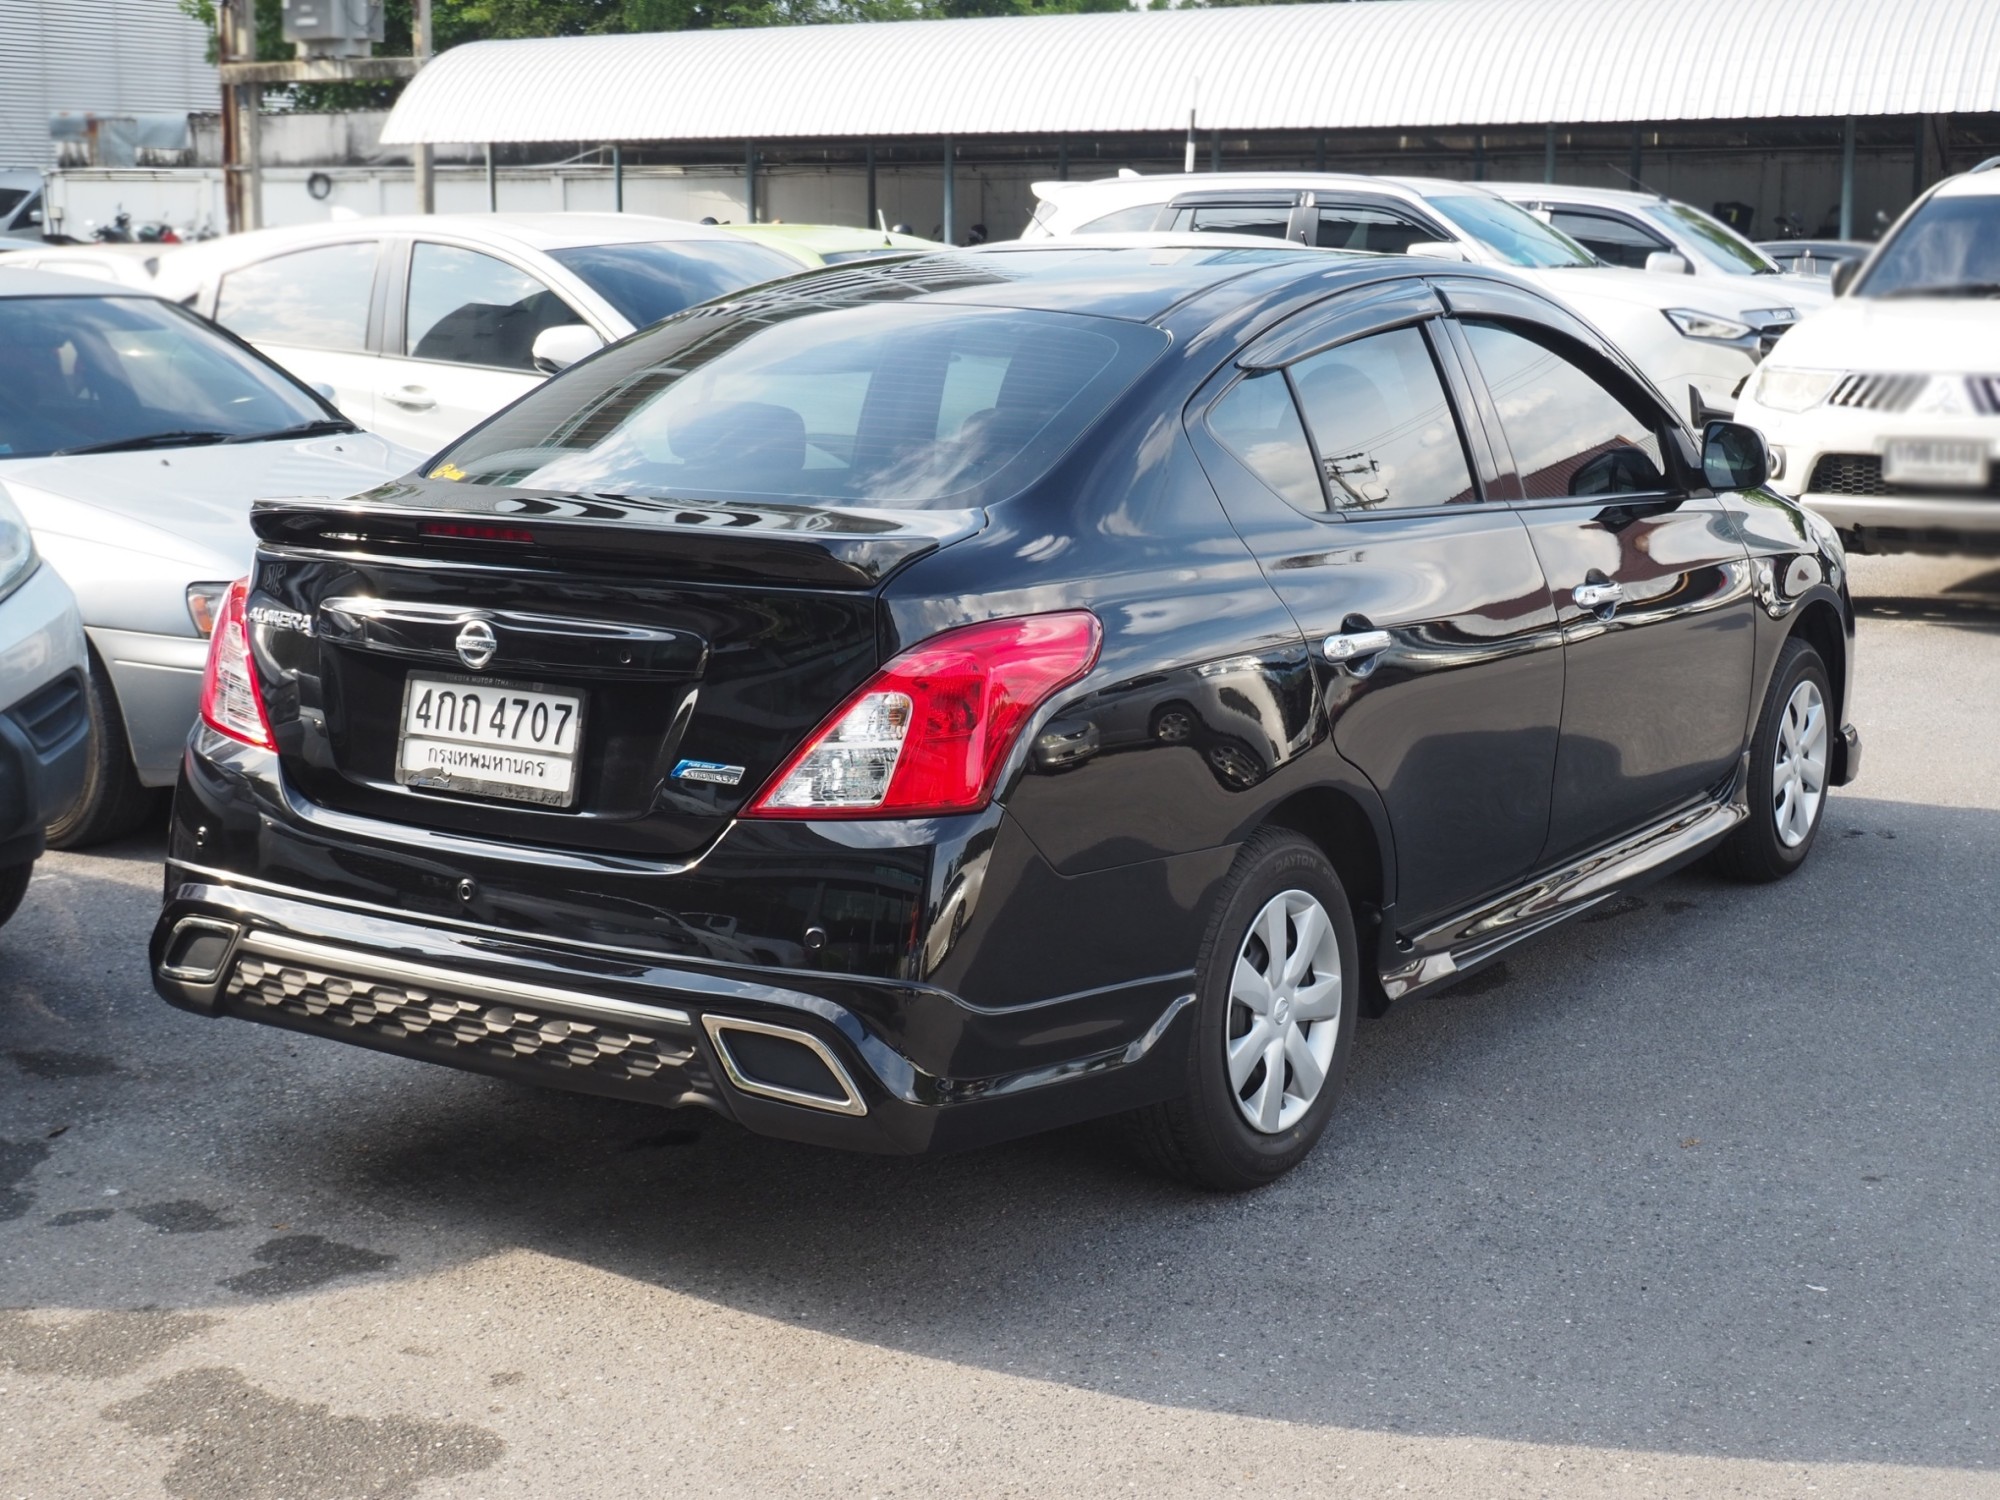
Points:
(1284, 1012)
(1798, 771)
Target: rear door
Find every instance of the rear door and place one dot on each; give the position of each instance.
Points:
(1341, 458)
(460, 341)
(316, 312)
(1650, 576)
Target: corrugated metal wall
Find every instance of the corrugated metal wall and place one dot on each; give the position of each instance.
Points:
(105, 56)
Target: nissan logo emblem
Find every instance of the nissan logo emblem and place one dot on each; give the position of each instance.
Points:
(476, 644)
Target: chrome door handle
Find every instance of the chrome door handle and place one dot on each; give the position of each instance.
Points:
(1598, 595)
(410, 398)
(1351, 648)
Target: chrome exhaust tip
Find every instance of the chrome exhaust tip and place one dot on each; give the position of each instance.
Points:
(779, 1062)
(198, 949)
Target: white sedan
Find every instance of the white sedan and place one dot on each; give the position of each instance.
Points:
(417, 327)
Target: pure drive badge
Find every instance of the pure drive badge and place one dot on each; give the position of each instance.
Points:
(708, 770)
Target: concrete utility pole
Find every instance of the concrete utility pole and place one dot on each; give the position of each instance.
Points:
(242, 181)
(420, 156)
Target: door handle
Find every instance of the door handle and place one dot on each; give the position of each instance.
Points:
(1354, 647)
(410, 398)
(1604, 597)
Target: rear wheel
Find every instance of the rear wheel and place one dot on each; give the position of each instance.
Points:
(1276, 986)
(1790, 756)
(112, 802)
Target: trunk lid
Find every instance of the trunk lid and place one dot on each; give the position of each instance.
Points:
(699, 644)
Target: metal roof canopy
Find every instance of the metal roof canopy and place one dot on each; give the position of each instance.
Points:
(1408, 64)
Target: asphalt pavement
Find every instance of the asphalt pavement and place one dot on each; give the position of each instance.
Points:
(1697, 1197)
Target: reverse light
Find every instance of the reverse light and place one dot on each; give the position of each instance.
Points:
(929, 733)
(1792, 390)
(231, 702)
(1708, 326)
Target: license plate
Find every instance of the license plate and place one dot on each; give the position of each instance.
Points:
(1935, 461)
(489, 738)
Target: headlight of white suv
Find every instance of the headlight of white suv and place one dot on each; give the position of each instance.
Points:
(17, 549)
(1701, 325)
(1792, 390)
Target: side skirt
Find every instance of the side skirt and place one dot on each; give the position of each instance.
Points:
(1473, 938)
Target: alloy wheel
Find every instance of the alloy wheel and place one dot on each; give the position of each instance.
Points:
(1284, 1012)
(1798, 773)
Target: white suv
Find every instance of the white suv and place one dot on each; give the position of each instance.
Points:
(1698, 341)
(1647, 232)
(1883, 411)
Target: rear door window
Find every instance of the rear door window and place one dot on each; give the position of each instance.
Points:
(1384, 431)
(1258, 421)
(1354, 227)
(1273, 220)
(467, 308)
(1570, 433)
(309, 299)
(1609, 237)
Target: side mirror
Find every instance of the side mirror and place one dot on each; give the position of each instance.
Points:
(557, 348)
(1667, 263)
(1843, 276)
(1436, 250)
(1733, 457)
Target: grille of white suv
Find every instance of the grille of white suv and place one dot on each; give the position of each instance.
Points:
(1878, 392)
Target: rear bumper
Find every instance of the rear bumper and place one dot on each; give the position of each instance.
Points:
(785, 1053)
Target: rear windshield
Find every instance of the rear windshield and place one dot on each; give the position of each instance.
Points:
(648, 282)
(894, 405)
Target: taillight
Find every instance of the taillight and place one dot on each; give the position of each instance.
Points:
(231, 702)
(929, 733)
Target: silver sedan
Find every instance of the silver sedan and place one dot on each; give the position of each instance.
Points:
(133, 439)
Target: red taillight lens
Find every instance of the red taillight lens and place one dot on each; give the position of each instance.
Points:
(231, 702)
(929, 733)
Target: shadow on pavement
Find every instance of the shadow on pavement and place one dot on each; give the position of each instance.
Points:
(1711, 1173)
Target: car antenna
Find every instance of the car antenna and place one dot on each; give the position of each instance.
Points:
(1642, 186)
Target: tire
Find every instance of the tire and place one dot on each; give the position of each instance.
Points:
(112, 801)
(1790, 757)
(13, 886)
(1207, 1136)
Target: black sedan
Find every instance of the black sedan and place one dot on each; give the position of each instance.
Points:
(917, 704)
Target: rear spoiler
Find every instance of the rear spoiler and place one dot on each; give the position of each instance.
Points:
(796, 545)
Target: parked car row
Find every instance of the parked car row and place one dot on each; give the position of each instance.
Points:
(1697, 338)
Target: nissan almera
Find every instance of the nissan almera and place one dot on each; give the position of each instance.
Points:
(923, 703)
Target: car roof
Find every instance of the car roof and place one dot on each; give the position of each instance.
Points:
(834, 236)
(25, 281)
(1175, 183)
(1133, 283)
(1609, 197)
(550, 231)
(1981, 182)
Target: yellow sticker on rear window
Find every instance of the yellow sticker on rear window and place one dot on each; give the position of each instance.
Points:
(447, 470)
